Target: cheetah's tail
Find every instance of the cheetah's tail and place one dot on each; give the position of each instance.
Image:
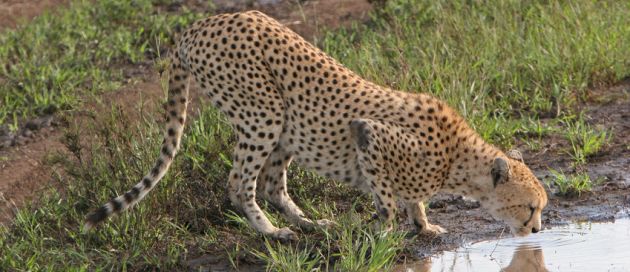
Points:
(175, 118)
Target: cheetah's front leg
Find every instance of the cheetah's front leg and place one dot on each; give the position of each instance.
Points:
(418, 217)
(385, 202)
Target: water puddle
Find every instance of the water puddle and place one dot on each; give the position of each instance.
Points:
(574, 247)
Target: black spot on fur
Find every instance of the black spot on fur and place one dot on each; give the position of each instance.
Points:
(147, 182)
(129, 197)
(132, 194)
(97, 216)
(167, 152)
(384, 213)
(135, 192)
(116, 205)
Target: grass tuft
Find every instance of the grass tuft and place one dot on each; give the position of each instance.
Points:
(570, 185)
(351, 245)
(289, 258)
(585, 140)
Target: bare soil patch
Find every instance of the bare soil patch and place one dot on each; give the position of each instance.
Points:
(307, 18)
(14, 12)
(22, 172)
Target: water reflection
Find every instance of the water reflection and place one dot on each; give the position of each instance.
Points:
(525, 258)
(573, 247)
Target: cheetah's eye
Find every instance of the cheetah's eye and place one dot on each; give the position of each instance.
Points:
(532, 209)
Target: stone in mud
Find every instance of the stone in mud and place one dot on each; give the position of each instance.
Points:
(32, 125)
(27, 133)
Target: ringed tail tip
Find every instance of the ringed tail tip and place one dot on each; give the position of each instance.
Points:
(95, 218)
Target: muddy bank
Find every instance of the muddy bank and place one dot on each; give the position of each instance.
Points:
(467, 223)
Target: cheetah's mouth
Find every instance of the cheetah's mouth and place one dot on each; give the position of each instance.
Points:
(520, 232)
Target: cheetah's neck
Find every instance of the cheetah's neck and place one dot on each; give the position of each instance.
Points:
(470, 171)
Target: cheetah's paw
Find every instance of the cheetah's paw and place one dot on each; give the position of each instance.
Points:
(325, 223)
(433, 230)
(284, 235)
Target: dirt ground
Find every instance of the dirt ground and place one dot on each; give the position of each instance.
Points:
(24, 173)
(14, 12)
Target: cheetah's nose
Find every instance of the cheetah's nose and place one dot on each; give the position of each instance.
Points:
(535, 230)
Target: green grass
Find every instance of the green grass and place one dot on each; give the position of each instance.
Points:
(289, 258)
(55, 61)
(585, 140)
(532, 132)
(570, 185)
(364, 249)
(350, 246)
(506, 65)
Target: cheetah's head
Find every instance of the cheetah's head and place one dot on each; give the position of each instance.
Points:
(518, 197)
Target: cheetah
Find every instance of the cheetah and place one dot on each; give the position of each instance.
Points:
(289, 101)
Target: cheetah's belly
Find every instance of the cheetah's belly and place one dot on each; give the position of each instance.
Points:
(330, 154)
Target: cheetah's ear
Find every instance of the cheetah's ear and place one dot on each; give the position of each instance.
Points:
(500, 171)
(515, 154)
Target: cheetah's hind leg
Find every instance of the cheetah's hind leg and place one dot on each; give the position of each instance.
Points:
(273, 186)
(242, 186)
(253, 148)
